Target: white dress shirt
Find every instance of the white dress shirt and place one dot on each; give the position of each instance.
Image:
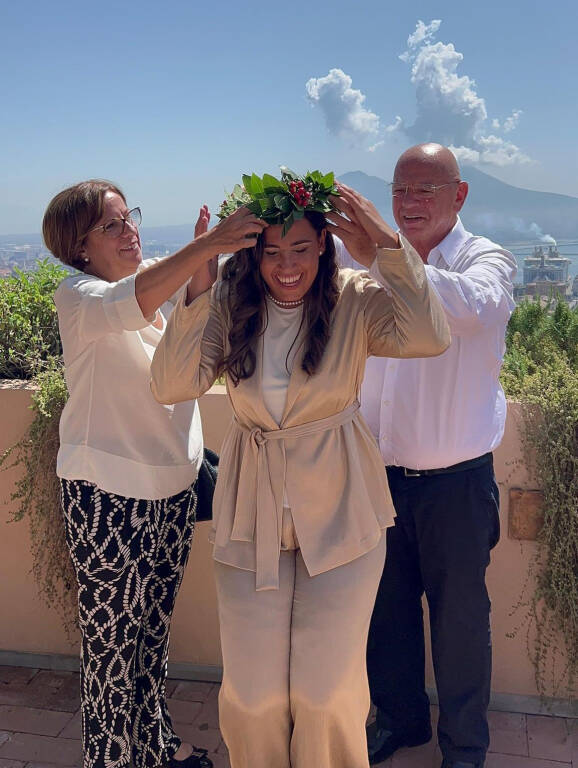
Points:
(428, 413)
(113, 432)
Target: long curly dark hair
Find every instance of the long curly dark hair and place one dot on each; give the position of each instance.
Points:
(247, 309)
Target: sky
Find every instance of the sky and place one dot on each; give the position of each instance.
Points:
(174, 101)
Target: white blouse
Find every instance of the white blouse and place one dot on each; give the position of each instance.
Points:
(113, 433)
(280, 346)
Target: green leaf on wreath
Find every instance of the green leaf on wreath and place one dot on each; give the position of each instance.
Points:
(255, 207)
(270, 183)
(288, 223)
(283, 203)
(256, 185)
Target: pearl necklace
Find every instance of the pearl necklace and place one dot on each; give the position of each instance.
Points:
(285, 304)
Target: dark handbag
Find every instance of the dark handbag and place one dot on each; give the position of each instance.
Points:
(206, 480)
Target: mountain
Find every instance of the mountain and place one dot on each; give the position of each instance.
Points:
(500, 211)
(495, 209)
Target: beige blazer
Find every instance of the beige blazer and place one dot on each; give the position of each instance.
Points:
(323, 451)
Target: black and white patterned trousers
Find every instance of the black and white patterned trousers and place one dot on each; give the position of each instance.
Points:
(129, 556)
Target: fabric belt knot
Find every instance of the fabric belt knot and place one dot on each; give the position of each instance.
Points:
(257, 436)
(259, 507)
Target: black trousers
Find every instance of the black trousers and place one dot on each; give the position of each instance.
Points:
(440, 544)
(129, 556)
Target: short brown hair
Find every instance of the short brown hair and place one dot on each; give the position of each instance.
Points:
(71, 214)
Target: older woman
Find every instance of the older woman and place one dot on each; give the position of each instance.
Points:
(127, 464)
(302, 500)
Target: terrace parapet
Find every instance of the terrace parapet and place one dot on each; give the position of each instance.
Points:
(32, 634)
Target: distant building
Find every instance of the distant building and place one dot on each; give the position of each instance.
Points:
(548, 266)
(545, 274)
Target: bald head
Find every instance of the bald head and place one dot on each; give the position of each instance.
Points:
(425, 219)
(433, 160)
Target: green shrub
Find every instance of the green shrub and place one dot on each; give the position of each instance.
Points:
(30, 349)
(28, 321)
(540, 370)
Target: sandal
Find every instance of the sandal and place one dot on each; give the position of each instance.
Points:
(197, 759)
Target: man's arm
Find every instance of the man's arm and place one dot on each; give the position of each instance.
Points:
(479, 297)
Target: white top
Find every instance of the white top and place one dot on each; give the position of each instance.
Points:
(112, 431)
(280, 346)
(434, 412)
(279, 349)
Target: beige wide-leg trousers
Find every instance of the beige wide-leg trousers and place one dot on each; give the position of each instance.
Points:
(295, 691)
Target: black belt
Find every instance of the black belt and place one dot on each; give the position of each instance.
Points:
(459, 467)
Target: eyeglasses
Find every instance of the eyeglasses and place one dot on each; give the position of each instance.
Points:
(115, 227)
(420, 191)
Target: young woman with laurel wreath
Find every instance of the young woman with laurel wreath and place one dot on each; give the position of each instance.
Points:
(302, 502)
(127, 466)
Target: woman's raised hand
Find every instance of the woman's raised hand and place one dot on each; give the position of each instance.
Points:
(359, 222)
(346, 227)
(202, 224)
(237, 231)
(204, 277)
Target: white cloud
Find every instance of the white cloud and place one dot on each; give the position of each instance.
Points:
(424, 33)
(396, 126)
(511, 122)
(449, 108)
(497, 151)
(447, 105)
(343, 107)
(465, 154)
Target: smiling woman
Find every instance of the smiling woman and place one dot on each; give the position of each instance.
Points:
(302, 499)
(128, 465)
(295, 271)
(289, 265)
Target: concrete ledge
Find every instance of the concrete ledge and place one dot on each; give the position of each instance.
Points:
(499, 702)
(206, 673)
(525, 705)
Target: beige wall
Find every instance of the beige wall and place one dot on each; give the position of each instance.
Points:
(507, 575)
(26, 625)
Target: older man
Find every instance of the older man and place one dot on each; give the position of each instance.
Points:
(437, 422)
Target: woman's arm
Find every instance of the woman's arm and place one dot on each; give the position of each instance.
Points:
(157, 283)
(407, 320)
(186, 360)
(357, 223)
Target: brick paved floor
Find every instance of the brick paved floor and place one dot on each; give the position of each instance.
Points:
(40, 727)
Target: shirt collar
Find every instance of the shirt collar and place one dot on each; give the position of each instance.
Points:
(450, 246)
